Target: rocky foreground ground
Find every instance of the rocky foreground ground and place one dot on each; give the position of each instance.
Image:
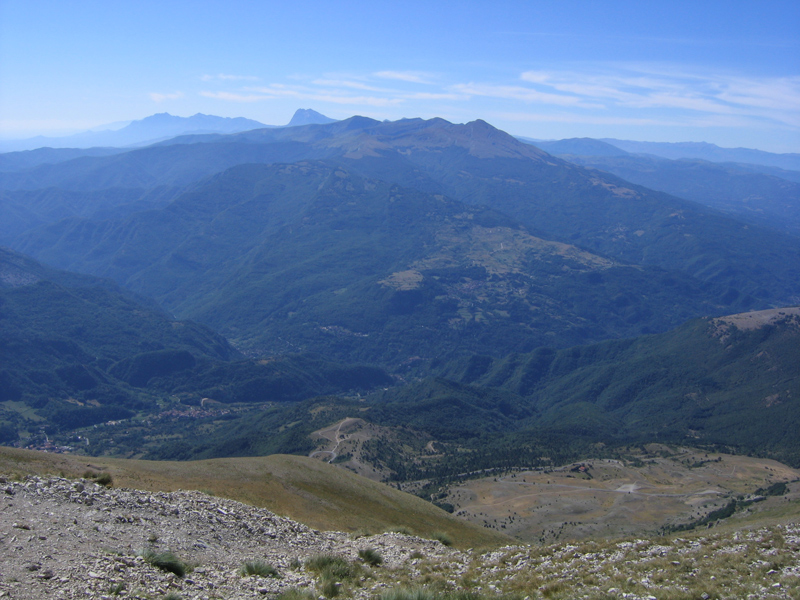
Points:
(65, 539)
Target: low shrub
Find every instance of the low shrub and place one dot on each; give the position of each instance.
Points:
(116, 589)
(466, 595)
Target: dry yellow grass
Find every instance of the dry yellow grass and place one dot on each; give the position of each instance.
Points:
(619, 498)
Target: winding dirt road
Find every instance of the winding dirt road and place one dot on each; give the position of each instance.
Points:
(337, 438)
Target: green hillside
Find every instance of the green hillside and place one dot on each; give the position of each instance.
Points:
(731, 383)
(76, 351)
(485, 274)
(612, 217)
(312, 258)
(754, 197)
(477, 164)
(23, 210)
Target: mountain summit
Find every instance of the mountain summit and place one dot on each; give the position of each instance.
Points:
(306, 116)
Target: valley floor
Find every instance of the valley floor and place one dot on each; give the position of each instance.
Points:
(607, 498)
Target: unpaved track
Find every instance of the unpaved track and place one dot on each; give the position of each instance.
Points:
(337, 438)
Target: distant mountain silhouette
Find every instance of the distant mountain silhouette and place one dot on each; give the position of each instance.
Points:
(579, 146)
(306, 116)
(155, 128)
(473, 163)
(710, 152)
(139, 133)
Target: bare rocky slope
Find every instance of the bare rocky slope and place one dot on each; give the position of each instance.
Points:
(72, 538)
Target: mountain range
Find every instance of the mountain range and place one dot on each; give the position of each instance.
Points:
(670, 150)
(755, 193)
(447, 282)
(710, 152)
(152, 129)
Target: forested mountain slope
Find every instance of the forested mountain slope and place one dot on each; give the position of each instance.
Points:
(310, 257)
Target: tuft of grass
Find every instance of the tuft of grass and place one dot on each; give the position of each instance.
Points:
(105, 479)
(172, 596)
(370, 556)
(330, 563)
(408, 594)
(259, 568)
(319, 561)
(330, 588)
(166, 561)
(443, 538)
(467, 595)
(116, 589)
(332, 569)
(295, 594)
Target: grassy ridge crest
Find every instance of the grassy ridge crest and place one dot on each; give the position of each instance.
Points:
(309, 491)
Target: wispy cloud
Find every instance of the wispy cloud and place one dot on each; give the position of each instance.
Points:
(407, 76)
(157, 97)
(225, 77)
(435, 96)
(630, 94)
(654, 87)
(333, 95)
(350, 84)
(276, 91)
(591, 119)
(232, 97)
(525, 94)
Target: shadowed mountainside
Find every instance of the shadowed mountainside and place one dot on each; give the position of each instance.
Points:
(76, 350)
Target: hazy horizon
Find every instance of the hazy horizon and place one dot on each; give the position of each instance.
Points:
(724, 73)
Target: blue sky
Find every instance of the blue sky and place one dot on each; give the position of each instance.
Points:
(723, 72)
